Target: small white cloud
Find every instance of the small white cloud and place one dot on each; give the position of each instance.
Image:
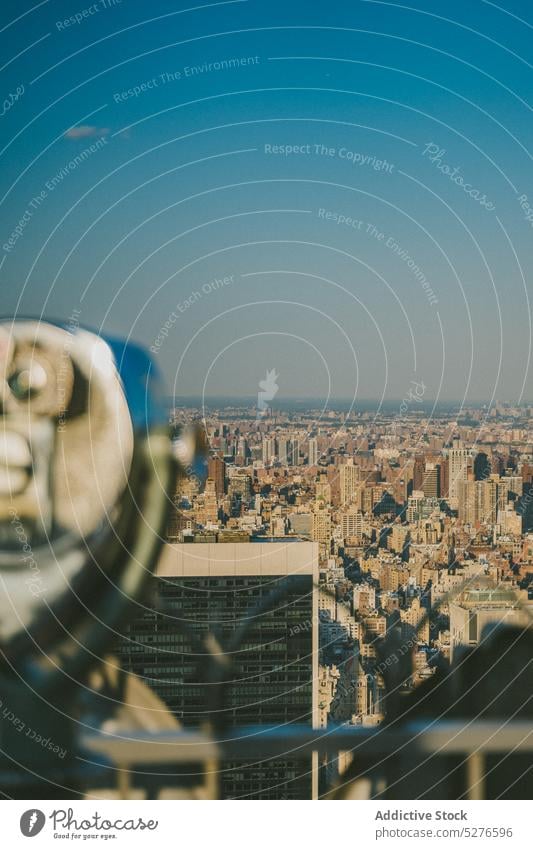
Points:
(86, 131)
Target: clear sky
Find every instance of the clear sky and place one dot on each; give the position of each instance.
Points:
(337, 191)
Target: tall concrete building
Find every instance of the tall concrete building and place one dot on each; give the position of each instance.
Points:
(481, 466)
(458, 468)
(215, 589)
(321, 527)
(444, 477)
(240, 491)
(352, 523)
(294, 458)
(431, 481)
(418, 472)
(477, 501)
(283, 451)
(269, 451)
(349, 478)
(323, 490)
(242, 448)
(510, 488)
(216, 470)
(313, 452)
(210, 506)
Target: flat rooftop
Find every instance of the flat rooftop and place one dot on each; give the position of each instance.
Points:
(204, 559)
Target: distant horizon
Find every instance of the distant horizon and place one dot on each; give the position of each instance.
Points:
(284, 403)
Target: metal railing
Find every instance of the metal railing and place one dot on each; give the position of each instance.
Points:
(471, 741)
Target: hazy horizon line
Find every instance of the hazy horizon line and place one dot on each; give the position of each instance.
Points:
(251, 400)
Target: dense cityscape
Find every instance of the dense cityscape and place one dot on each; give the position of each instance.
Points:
(423, 525)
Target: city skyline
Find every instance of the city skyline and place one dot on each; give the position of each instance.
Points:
(424, 534)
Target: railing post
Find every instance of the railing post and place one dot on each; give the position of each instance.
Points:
(475, 775)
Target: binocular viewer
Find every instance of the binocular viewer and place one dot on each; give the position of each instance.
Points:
(87, 478)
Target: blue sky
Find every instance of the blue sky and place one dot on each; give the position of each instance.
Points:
(338, 192)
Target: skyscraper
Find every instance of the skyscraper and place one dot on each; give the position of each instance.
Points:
(323, 490)
(216, 470)
(274, 677)
(477, 501)
(240, 491)
(482, 468)
(269, 451)
(418, 472)
(283, 451)
(210, 511)
(349, 478)
(431, 482)
(313, 452)
(242, 448)
(321, 528)
(444, 477)
(294, 452)
(458, 467)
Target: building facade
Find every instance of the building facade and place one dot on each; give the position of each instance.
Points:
(210, 591)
